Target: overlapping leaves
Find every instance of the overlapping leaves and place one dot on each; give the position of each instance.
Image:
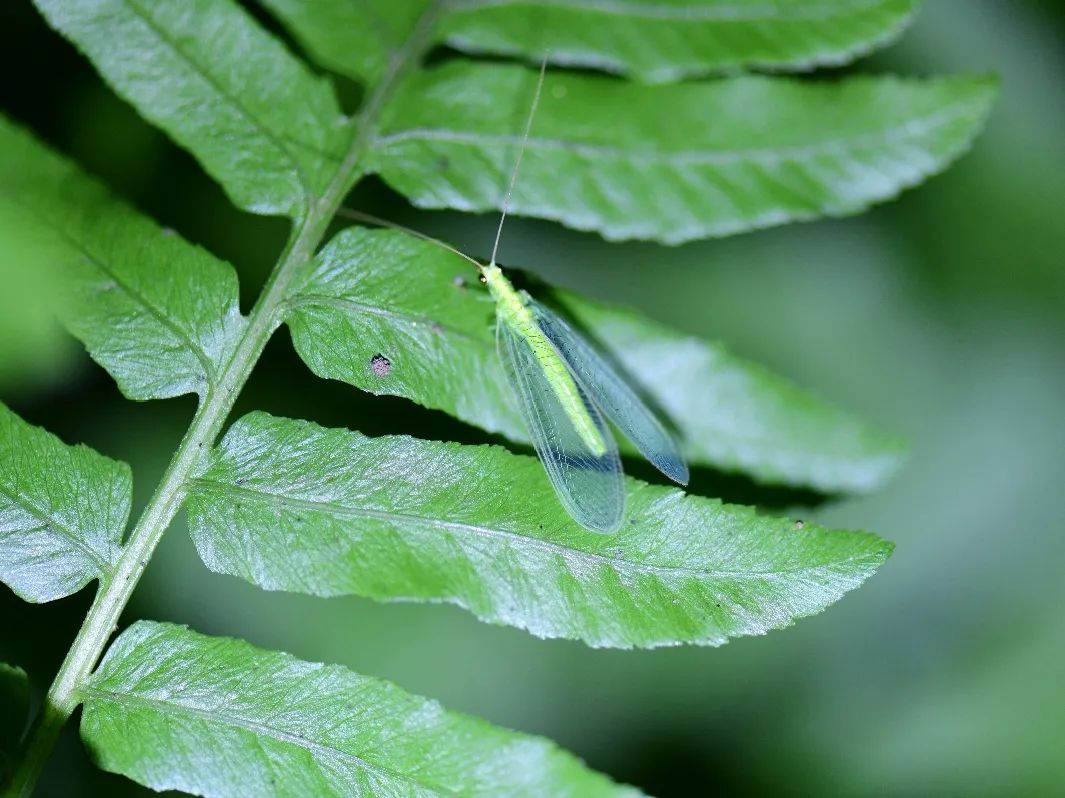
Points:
(671, 163)
(15, 700)
(652, 41)
(361, 301)
(290, 505)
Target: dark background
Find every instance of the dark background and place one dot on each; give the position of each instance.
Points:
(939, 316)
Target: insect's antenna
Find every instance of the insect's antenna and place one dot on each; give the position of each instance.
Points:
(369, 218)
(521, 153)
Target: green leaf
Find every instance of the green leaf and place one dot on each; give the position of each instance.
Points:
(159, 313)
(649, 41)
(436, 333)
(289, 505)
(15, 706)
(357, 40)
(33, 347)
(204, 71)
(663, 41)
(217, 717)
(62, 511)
(671, 163)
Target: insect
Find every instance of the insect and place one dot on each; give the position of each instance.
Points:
(566, 391)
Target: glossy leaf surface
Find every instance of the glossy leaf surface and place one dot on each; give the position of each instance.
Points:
(293, 506)
(217, 717)
(205, 72)
(671, 163)
(62, 511)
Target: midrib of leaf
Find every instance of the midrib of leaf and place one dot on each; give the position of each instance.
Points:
(692, 12)
(260, 729)
(766, 155)
(281, 143)
(48, 522)
(132, 293)
(571, 556)
(66, 691)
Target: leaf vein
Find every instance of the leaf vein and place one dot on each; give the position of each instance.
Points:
(50, 523)
(281, 142)
(912, 128)
(262, 730)
(343, 511)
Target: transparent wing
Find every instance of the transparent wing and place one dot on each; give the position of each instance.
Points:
(612, 395)
(590, 487)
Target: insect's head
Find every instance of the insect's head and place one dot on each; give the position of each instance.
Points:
(492, 276)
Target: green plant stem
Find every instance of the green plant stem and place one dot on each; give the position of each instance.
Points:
(114, 592)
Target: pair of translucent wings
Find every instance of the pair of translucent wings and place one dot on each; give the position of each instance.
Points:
(590, 486)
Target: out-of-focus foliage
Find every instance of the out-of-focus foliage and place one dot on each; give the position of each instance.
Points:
(657, 42)
(15, 699)
(157, 312)
(33, 349)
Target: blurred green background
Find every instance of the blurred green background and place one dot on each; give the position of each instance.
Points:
(940, 316)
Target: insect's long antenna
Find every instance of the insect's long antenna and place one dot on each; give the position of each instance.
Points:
(369, 218)
(521, 153)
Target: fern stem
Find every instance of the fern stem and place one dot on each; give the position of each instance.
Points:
(114, 592)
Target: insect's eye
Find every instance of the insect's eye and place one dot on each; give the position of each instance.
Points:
(483, 279)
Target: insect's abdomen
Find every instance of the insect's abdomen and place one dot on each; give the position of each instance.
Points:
(558, 376)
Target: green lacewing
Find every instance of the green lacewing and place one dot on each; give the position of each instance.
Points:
(566, 391)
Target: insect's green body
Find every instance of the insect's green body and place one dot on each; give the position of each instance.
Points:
(513, 311)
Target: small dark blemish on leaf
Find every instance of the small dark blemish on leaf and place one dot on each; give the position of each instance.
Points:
(443, 163)
(380, 365)
(240, 480)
